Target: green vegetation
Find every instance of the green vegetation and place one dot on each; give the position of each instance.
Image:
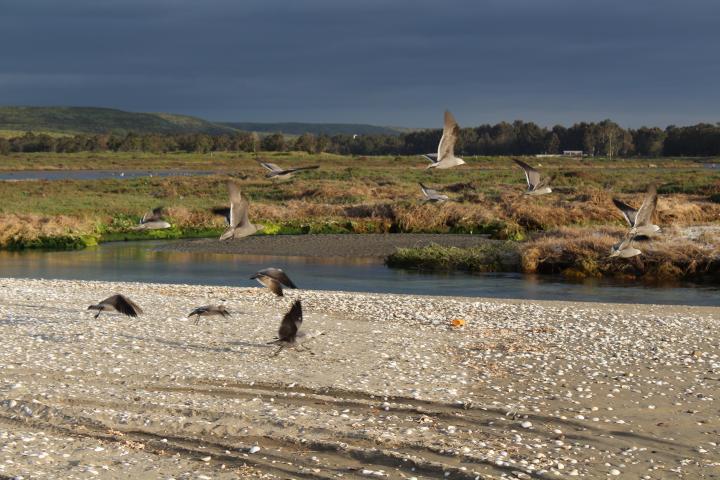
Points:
(556, 233)
(296, 129)
(492, 256)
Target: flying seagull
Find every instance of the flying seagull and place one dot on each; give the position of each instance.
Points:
(119, 303)
(445, 157)
(238, 221)
(209, 311)
(288, 332)
(153, 220)
(274, 279)
(277, 172)
(624, 249)
(432, 195)
(640, 221)
(535, 185)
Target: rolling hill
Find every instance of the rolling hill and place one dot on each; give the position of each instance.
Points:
(71, 120)
(102, 120)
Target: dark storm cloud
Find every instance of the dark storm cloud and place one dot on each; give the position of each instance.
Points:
(392, 63)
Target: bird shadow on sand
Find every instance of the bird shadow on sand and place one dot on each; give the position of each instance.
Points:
(197, 346)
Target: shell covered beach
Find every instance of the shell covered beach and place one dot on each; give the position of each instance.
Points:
(391, 387)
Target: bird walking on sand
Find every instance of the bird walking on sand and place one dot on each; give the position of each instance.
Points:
(274, 279)
(640, 221)
(209, 311)
(625, 249)
(432, 196)
(118, 303)
(289, 333)
(445, 156)
(283, 173)
(153, 220)
(237, 216)
(535, 185)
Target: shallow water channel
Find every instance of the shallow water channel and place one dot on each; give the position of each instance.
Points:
(141, 262)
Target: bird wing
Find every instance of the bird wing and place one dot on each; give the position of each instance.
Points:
(270, 283)
(428, 192)
(451, 131)
(238, 206)
(628, 212)
(531, 175)
(645, 213)
(279, 275)
(223, 212)
(291, 323)
(300, 169)
(198, 311)
(432, 157)
(123, 305)
(271, 167)
(155, 215)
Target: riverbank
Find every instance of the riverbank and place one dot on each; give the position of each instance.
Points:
(391, 389)
(328, 245)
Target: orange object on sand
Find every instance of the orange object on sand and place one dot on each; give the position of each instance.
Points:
(457, 322)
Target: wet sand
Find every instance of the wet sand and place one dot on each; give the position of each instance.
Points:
(391, 390)
(334, 245)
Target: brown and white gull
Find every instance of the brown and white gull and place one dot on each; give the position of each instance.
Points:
(153, 220)
(274, 279)
(535, 185)
(640, 221)
(275, 171)
(209, 311)
(432, 196)
(118, 303)
(239, 225)
(445, 157)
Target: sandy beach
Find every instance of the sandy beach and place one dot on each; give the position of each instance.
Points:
(391, 390)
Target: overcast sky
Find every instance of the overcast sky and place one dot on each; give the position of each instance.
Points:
(384, 62)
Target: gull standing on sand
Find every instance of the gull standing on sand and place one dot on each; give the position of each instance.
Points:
(118, 303)
(432, 196)
(283, 173)
(535, 185)
(237, 217)
(274, 279)
(289, 333)
(209, 311)
(640, 220)
(153, 220)
(445, 157)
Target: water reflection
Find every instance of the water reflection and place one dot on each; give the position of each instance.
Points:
(140, 262)
(96, 174)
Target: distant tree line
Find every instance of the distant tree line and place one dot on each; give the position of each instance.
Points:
(518, 138)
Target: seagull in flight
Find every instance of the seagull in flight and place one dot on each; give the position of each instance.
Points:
(209, 311)
(535, 185)
(239, 225)
(274, 279)
(153, 220)
(624, 249)
(275, 171)
(432, 196)
(640, 221)
(118, 303)
(445, 156)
